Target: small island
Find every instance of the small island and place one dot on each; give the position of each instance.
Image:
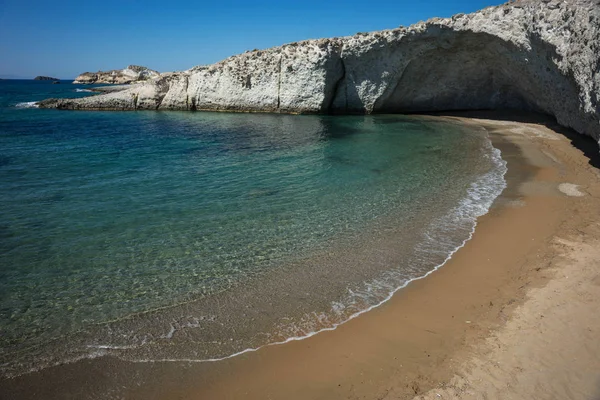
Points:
(45, 78)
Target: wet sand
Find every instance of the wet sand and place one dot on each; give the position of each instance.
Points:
(512, 315)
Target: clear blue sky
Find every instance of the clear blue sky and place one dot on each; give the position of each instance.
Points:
(64, 38)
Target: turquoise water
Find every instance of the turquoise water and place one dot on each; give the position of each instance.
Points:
(153, 235)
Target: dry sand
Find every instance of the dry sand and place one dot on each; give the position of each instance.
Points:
(513, 315)
(550, 346)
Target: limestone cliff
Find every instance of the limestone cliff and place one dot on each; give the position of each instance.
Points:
(534, 55)
(132, 73)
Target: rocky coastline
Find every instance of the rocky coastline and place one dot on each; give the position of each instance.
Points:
(541, 56)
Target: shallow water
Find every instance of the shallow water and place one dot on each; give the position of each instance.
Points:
(195, 236)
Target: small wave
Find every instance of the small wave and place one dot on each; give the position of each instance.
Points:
(83, 90)
(27, 104)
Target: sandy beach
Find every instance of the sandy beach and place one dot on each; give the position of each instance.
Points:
(546, 347)
(221, 201)
(513, 314)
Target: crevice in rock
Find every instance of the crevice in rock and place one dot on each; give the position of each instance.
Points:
(279, 85)
(336, 88)
(345, 91)
(159, 100)
(387, 93)
(187, 96)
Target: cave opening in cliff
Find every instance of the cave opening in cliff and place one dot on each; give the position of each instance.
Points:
(472, 71)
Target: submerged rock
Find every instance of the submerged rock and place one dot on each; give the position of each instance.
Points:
(528, 55)
(133, 73)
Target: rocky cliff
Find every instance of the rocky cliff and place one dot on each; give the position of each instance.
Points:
(534, 55)
(132, 73)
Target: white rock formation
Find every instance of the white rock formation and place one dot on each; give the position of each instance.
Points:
(131, 74)
(534, 55)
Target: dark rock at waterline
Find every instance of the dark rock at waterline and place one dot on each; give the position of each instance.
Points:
(55, 82)
(48, 103)
(45, 78)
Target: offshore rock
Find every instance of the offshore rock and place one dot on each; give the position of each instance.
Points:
(541, 56)
(45, 78)
(131, 74)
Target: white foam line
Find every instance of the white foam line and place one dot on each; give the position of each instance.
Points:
(332, 328)
(27, 104)
(353, 316)
(110, 347)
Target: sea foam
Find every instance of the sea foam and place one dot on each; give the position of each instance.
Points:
(27, 104)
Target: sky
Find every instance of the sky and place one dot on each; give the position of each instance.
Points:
(65, 38)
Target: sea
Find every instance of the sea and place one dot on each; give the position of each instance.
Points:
(197, 236)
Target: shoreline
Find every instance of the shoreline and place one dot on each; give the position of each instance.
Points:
(353, 262)
(418, 339)
(362, 381)
(435, 342)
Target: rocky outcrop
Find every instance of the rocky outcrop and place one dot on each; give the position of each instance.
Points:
(534, 55)
(45, 78)
(131, 74)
